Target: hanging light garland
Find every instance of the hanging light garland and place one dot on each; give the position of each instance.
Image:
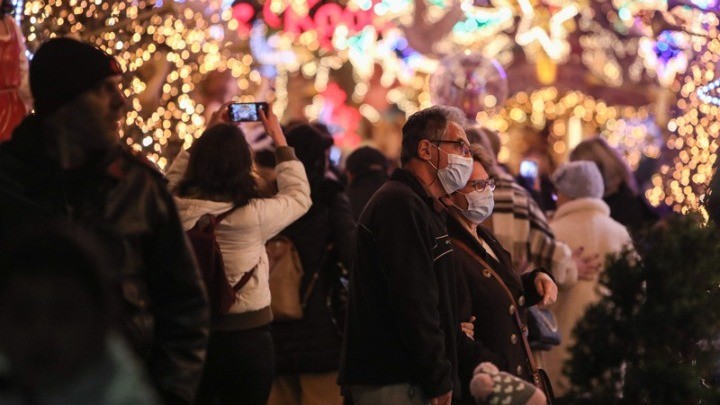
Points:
(574, 115)
(704, 93)
(168, 46)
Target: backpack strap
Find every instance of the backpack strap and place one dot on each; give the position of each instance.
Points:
(248, 275)
(244, 280)
(222, 216)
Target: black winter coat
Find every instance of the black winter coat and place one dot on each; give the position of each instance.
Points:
(497, 335)
(630, 209)
(312, 344)
(401, 324)
(124, 203)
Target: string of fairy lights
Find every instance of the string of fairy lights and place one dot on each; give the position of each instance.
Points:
(170, 46)
(569, 115)
(693, 135)
(185, 41)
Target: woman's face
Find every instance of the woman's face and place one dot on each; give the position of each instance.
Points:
(478, 173)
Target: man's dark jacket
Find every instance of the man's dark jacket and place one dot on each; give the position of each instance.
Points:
(401, 326)
(124, 203)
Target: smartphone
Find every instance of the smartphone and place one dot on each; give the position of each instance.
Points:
(335, 155)
(244, 112)
(529, 169)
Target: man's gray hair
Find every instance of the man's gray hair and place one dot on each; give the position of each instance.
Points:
(430, 123)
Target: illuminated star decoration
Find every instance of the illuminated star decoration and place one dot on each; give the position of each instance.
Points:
(530, 30)
(482, 21)
(665, 55)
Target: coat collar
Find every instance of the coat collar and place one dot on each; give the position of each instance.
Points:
(408, 178)
(583, 205)
(502, 266)
(29, 146)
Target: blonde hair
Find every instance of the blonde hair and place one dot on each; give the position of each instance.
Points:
(614, 169)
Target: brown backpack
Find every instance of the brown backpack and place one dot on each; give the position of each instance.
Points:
(210, 261)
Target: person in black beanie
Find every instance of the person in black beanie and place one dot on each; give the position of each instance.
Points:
(307, 350)
(367, 171)
(66, 162)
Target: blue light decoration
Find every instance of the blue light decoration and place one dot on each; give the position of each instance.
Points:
(667, 47)
(409, 58)
(479, 19)
(19, 11)
(704, 4)
(704, 93)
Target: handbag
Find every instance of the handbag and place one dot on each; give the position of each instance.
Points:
(285, 276)
(543, 333)
(540, 377)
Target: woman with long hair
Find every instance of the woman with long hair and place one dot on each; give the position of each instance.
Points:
(627, 206)
(216, 176)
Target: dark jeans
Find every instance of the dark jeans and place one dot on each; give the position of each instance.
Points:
(239, 369)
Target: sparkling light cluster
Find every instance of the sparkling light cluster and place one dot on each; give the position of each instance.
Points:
(631, 130)
(167, 48)
(708, 95)
(694, 136)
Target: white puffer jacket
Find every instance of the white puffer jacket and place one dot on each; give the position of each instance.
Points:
(242, 235)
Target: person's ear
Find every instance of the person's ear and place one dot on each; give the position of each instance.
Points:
(424, 150)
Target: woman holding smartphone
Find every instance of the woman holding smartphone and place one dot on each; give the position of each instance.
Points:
(215, 176)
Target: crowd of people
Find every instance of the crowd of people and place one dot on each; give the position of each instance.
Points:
(102, 300)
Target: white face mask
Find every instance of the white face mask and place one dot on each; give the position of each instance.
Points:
(480, 205)
(456, 174)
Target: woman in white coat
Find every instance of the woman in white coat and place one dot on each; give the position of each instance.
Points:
(581, 220)
(214, 177)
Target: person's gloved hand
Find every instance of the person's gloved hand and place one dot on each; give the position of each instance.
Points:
(492, 386)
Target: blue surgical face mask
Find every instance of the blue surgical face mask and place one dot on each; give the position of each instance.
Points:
(456, 174)
(480, 205)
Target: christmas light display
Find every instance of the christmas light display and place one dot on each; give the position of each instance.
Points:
(168, 47)
(708, 95)
(694, 132)
(574, 115)
(172, 47)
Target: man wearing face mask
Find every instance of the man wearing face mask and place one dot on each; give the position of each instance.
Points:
(498, 338)
(400, 341)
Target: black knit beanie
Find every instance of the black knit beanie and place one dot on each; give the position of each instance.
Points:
(64, 68)
(310, 146)
(366, 159)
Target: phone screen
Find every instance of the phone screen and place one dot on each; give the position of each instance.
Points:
(244, 112)
(529, 169)
(335, 155)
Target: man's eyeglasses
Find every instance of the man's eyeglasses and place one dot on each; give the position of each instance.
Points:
(461, 144)
(481, 185)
